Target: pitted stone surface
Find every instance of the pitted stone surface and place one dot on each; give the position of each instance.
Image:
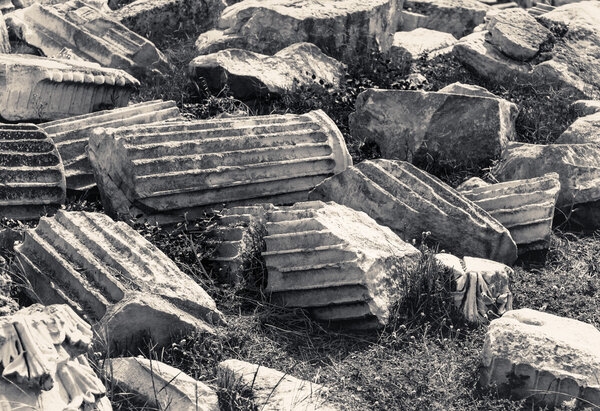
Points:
(39, 88)
(525, 207)
(165, 171)
(32, 176)
(410, 201)
(110, 274)
(458, 17)
(71, 135)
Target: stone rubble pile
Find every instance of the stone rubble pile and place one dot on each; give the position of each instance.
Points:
(457, 17)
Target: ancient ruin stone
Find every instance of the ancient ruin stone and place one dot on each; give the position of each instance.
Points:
(554, 359)
(453, 128)
(249, 74)
(47, 89)
(345, 29)
(165, 171)
(32, 176)
(336, 262)
(467, 90)
(539, 9)
(410, 201)
(410, 45)
(71, 135)
(481, 286)
(156, 18)
(4, 43)
(43, 362)
(273, 390)
(578, 167)
(525, 207)
(585, 107)
(583, 130)
(159, 385)
(89, 33)
(110, 274)
(458, 17)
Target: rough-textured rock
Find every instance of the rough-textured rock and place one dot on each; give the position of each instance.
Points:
(90, 34)
(410, 45)
(409, 201)
(578, 167)
(585, 107)
(337, 262)
(273, 390)
(481, 286)
(159, 385)
(554, 359)
(343, 29)
(471, 183)
(518, 35)
(467, 90)
(43, 362)
(249, 74)
(458, 17)
(165, 171)
(110, 274)
(540, 9)
(47, 89)
(525, 207)
(583, 130)
(156, 18)
(4, 43)
(453, 128)
(32, 176)
(71, 135)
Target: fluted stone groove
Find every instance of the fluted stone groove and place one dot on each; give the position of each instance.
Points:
(525, 207)
(71, 135)
(111, 275)
(39, 88)
(165, 171)
(410, 201)
(88, 34)
(32, 176)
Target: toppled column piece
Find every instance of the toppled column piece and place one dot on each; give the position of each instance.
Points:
(43, 361)
(165, 171)
(410, 201)
(481, 286)
(116, 278)
(249, 74)
(32, 176)
(273, 390)
(159, 385)
(458, 17)
(90, 34)
(71, 135)
(336, 262)
(553, 359)
(38, 88)
(525, 207)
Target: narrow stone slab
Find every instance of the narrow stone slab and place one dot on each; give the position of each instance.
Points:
(554, 359)
(410, 45)
(165, 171)
(410, 201)
(71, 135)
(32, 176)
(39, 88)
(110, 274)
(4, 43)
(525, 207)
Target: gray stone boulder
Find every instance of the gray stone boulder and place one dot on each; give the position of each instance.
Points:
(585, 107)
(583, 130)
(467, 90)
(410, 45)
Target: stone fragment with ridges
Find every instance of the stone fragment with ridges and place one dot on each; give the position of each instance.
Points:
(410, 201)
(71, 135)
(167, 170)
(32, 177)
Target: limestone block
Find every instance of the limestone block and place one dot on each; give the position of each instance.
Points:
(471, 183)
(273, 390)
(585, 107)
(539, 9)
(165, 171)
(410, 201)
(110, 274)
(583, 130)
(467, 90)
(453, 128)
(32, 176)
(525, 207)
(159, 385)
(553, 359)
(4, 43)
(43, 362)
(71, 135)
(89, 33)
(38, 88)
(336, 262)
(410, 45)
(249, 74)
(344, 29)
(458, 17)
